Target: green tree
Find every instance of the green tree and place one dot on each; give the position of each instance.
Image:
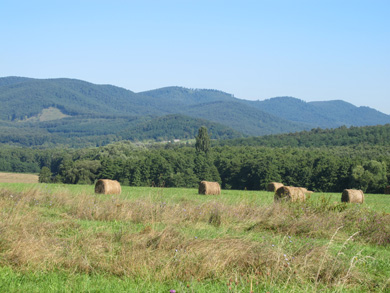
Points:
(204, 167)
(45, 175)
(136, 176)
(86, 171)
(65, 172)
(371, 177)
(202, 140)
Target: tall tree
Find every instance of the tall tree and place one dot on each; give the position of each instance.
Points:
(202, 140)
(204, 164)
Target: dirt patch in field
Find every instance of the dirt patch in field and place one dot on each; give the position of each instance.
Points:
(18, 178)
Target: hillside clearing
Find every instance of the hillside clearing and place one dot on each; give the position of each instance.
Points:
(47, 114)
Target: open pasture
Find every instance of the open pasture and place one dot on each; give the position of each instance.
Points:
(66, 238)
(18, 178)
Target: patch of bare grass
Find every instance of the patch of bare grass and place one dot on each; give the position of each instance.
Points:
(18, 178)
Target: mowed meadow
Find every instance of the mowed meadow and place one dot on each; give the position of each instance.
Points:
(61, 238)
(18, 178)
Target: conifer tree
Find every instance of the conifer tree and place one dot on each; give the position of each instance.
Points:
(202, 140)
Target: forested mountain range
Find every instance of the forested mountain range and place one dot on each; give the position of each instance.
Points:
(378, 135)
(326, 114)
(77, 113)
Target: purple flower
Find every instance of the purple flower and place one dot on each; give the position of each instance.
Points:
(172, 291)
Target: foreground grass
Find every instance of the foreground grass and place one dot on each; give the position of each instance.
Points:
(66, 238)
(13, 281)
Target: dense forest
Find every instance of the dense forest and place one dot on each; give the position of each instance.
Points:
(92, 130)
(24, 99)
(348, 164)
(369, 135)
(74, 113)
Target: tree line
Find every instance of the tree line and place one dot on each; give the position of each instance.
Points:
(317, 137)
(327, 169)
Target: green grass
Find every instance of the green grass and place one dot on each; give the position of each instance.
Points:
(61, 238)
(378, 202)
(12, 281)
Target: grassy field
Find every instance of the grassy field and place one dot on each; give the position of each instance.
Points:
(61, 238)
(18, 178)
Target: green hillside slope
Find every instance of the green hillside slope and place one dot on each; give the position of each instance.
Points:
(172, 98)
(243, 118)
(378, 135)
(176, 126)
(64, 110)
(84, 131)
(328, 114)
(347, 114)
(28, 97)
(222, 108)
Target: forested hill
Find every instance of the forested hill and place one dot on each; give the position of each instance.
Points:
(65, 110)
(25, 100)
(368, 135)
(86, 132)
(326, 114)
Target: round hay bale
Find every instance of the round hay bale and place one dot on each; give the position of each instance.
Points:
(273, 186)
(209, 188)
(289, 193)
(305, 190)
(387, 190)
(352, 195)
(107, 186)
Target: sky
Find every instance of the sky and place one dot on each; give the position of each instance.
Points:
(315, 50)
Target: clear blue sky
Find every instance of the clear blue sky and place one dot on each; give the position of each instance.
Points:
(312, 50)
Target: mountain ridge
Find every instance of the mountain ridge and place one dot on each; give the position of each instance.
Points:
(22, 98)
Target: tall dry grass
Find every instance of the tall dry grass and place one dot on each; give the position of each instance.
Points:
(40, 231)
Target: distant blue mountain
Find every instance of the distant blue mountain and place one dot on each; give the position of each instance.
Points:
(327, 114)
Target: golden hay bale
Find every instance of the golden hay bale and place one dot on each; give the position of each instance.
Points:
(289, 193)
(273, 186)
(305, 191)
(387, 190)
(352, 195)
(107, 186)
(207, 187)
